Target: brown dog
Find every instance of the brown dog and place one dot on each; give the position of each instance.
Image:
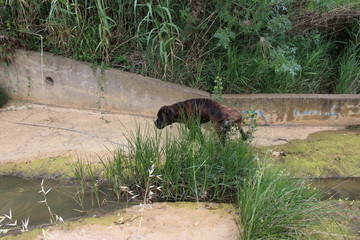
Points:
(202, 110)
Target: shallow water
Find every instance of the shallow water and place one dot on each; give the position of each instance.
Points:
(347, 188)
(23, 198)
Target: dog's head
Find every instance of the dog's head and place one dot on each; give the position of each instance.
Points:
(165, 116)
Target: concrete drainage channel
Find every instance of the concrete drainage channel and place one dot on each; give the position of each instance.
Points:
(67, 109)
(68, 83)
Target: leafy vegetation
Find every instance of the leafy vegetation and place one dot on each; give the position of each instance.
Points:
(252, 46)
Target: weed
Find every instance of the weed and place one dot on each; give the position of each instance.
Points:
(7, 223)
(249, 118)
(218, 89)
(79, 173)
(54, 218)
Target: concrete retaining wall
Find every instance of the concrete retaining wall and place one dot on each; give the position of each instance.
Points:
(65, 82)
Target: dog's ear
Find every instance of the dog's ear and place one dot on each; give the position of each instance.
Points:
(169, 113)
(161, 110)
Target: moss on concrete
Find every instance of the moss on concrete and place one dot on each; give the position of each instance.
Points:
(105, 220)
(47, 167)
(223, 209)
(24, 236)
(323, 154)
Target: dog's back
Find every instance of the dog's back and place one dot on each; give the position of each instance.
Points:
(199, 107)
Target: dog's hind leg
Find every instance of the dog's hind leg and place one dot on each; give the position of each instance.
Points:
(222, 129)
(242, 132)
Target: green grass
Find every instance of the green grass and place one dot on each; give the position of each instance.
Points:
(349, 70)
(158, 166)
(275, 206)
(188, 167)
(254, 46)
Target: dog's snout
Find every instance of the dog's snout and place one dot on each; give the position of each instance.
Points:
(158, 124)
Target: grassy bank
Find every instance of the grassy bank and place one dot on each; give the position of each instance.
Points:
(250, 46)
(271, 204)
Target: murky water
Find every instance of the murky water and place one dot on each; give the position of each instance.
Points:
(339, 188)
(23, 198)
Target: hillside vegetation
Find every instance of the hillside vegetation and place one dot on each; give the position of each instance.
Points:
(247, 46)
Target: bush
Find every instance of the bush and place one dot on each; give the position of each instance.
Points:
(349, 69)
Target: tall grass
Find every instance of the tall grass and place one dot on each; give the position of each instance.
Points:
(203, 169)
(188, 167)
(349, 69)
(254, 46)
(157, 166)
(274, 206)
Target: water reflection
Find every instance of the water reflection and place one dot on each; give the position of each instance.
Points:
(339, 188)
(23, 198)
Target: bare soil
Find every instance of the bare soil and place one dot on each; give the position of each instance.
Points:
(29, 132)
(158, 221)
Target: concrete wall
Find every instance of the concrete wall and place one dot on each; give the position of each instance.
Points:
(316, 109)
(65, 82)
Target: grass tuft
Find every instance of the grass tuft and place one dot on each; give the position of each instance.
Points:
(275, 206)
